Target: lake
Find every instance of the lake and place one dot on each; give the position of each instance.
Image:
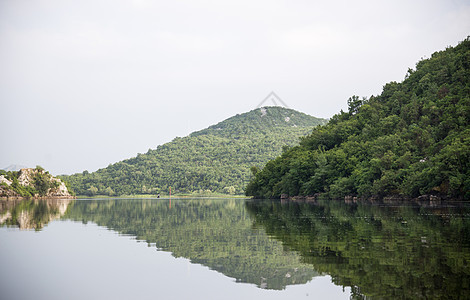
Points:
(233, 249)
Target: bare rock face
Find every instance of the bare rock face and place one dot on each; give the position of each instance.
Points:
(61, 190)
(4, 180)
(28, 177)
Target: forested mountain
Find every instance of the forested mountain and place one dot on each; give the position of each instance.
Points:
(412, 140)
(216, 159)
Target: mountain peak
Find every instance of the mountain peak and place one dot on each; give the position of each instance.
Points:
(261, 120)
(14, 167)
(215, 159)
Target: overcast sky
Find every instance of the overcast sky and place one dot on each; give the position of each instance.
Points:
(87, 83)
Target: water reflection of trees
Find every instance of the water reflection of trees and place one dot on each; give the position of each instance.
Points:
(382, 251)
(215, 233)
(31, 214)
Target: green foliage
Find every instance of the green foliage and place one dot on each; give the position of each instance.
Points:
(23, 191)
(216, 159)
(69, 188)
(411, 140)
(42, 183)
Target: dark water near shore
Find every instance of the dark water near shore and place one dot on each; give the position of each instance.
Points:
(232, 249)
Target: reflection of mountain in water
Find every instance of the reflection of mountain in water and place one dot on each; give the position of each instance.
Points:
(214, 233)
(31, 214)
(404, 252)
(381, 251)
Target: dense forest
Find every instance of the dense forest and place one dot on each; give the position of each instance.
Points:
(411, 140)
(216, 159)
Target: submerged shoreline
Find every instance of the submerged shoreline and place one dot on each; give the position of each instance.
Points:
(376, 199)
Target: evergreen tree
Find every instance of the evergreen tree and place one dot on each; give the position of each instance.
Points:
(412, 140)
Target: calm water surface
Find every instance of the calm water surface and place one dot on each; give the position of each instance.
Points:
(232, 249)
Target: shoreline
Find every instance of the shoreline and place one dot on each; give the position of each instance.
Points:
(376, 199)
(13, 198)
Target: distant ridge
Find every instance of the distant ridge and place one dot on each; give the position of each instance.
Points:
(216, 159)
(14, 168)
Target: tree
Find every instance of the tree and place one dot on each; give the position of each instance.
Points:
(229, 190)
(92, 191)
(411, 140)
(354, 103)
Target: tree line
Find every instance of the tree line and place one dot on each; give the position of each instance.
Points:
(411, 140)
(213, 160)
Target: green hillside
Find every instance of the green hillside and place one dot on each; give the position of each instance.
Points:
(216, 159)
(412, 140)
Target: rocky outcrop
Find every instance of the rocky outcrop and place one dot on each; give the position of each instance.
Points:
(40, 184)
(25, 177)
(3, 179)
(7, 193)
